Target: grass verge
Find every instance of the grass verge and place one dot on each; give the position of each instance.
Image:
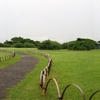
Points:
(4, 54)
(10, 61)
(28, 89)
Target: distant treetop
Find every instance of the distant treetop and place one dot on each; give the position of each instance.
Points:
(79, 44)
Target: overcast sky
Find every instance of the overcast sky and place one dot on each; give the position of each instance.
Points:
(60, 20)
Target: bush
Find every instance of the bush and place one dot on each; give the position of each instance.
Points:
(29, 45)
(37, 44)
(79, 44)
(65, 46)
(98, 45)
(8, 44)
(82, 44)
(17, 39)
(50, 45)
(18, 45)
(1, 45)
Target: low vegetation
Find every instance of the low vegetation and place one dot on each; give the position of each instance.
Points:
(79, 44)
(10, 61)
(19, 42)
(98, 45)
(4, 54)
(79, 67)
(50, 45)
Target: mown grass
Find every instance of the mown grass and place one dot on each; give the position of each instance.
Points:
(4, 54)
(79, 67)
(29, 89)
(9, 61)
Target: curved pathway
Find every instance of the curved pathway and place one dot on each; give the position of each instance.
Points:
(12, 75)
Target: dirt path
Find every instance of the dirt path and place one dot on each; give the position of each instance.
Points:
(13, 74)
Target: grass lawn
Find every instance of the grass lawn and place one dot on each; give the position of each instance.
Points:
(79, 67)
(10, 61)
(4, 54)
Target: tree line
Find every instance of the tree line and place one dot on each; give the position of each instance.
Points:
(19, 42)
(79, 44)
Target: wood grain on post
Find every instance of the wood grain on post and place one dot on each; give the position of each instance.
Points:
(57, 87)
(43, 85)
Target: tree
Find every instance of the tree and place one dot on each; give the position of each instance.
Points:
(18, 45)
(28, 40)
(50, 45)
(20, 42)
(29, 45)
(1, 45)
(98, 45)
(37, 44)
(82, 44)
(8, 43)
(99, 42)
(79, 44)
(65, 46)
(17, 40)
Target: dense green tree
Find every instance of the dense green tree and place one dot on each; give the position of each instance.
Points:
(65, 46)
(98, 45)
(37, 44)
(50, 45)
(82, 44)
(17, 40)
(79, 44)
(18, 45)
(28, 40)
(20, 42)
(8, 43)
(29, 45)
(1, 45)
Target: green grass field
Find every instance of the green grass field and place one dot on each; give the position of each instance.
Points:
(8, 62)
(79, 67)
(4, 54)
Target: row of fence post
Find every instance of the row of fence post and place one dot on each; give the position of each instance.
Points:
(7, 57)
(44, 74)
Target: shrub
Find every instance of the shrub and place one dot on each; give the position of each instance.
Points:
(65, 46)
(37, 44)
(17, 39)
(98, 45)
(29, 45)
(1, 45)
(82, 44)
(50, 45)
(8, 44)
(18, 45)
